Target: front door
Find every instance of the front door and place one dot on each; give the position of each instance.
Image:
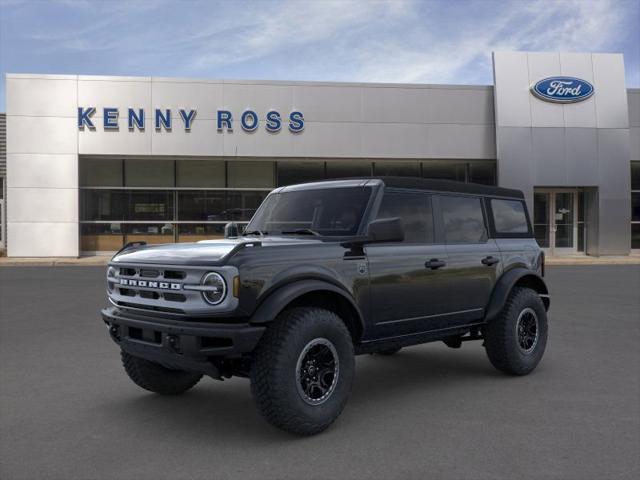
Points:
(406, 278)
(555, 220)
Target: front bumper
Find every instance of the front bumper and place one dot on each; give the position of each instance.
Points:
(180, 344)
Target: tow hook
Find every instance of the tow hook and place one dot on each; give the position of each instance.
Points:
(173, 343)
(114, 331)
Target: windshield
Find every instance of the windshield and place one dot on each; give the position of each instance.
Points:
(326, 212)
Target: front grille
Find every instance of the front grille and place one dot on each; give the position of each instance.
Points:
(154, 287)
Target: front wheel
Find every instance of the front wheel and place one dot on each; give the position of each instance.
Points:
(302, 370)
(515, 340)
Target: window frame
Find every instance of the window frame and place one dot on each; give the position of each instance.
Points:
(440, 218)
(493, 232)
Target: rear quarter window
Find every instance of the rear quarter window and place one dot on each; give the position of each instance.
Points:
(509, 217)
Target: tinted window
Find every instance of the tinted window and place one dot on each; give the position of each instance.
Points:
(509, 216)
(414, 210)
(330, 212)
(463, 219)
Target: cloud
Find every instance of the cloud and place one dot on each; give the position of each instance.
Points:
(436, 41)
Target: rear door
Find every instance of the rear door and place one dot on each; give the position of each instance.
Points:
(405, 278)
(473, 259)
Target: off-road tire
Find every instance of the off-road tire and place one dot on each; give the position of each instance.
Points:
(156, 378)
(389, 351)
(501, 338)
(274, 376)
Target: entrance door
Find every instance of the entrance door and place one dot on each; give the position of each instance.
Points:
(555, 220)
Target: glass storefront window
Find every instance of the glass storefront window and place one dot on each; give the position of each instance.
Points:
(635, 175)
(101, 237)
(292, 172)
(200, 173)
(242, 205)
(482, 172)
(635, 206)
(201, 205)
(445, 170)
(149, 173)
(346, 169)
(101, 172)
(102, 205)
(396, 169)
(250, 174)
(149, 205)
(194, 232)
(149, 232)
(635, 236)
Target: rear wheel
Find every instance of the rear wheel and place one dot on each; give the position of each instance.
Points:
(302, 370)
(156, 378)
(515, 341)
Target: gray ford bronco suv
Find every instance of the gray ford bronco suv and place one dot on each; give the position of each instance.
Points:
(325, 271)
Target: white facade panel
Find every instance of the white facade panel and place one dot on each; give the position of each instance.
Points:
(42, 239)
(114, 93)
(42, 97)
(201, 140)
(51, 205)
(581, 114)
(328, 103)
(42, 170)
(255, 144)
(511, 72)
(395, 105)
(327, 140)
(634, 140)
(391, 140)
(41, 134)
(544, 114)
(259, 98)
(205, 97)
(611, 97)
(461, 141)
(120, 141)
(461, 106)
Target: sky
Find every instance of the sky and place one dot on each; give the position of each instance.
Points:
(403, 41)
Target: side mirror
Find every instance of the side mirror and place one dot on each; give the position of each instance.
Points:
(231, 230)
(385, 230)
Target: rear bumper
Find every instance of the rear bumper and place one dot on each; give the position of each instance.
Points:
(178, 344)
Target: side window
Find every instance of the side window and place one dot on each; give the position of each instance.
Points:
(415, 211)
(509, 216)
(462, 219)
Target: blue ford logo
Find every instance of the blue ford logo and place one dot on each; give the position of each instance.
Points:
(562, 89)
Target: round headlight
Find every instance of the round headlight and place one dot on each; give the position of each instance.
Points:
(216, 288)
(111, 275)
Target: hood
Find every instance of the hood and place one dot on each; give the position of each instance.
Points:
(204, 252)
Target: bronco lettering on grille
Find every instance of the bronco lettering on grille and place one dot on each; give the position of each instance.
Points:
(129, 282)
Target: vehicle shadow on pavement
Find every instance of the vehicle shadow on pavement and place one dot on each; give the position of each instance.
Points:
(226, 410)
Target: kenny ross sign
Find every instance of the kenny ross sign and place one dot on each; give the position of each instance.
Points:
(162, 119)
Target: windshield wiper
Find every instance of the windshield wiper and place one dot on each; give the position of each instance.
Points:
(256, 232)
(301, 231)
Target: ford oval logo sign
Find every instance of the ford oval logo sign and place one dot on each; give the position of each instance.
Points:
(562, 89)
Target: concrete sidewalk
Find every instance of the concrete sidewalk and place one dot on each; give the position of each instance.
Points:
(97, 260)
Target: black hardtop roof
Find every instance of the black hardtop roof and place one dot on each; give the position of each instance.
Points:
(413, 183)
(451, 186)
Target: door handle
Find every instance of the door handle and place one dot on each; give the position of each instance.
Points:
(488, 261)
(434, 264)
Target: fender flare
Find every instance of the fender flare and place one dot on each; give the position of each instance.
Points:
(504, 285)
(277, 300)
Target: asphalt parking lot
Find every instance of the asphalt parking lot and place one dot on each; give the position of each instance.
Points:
(68, 411)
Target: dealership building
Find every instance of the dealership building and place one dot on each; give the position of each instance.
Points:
(95, 162)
